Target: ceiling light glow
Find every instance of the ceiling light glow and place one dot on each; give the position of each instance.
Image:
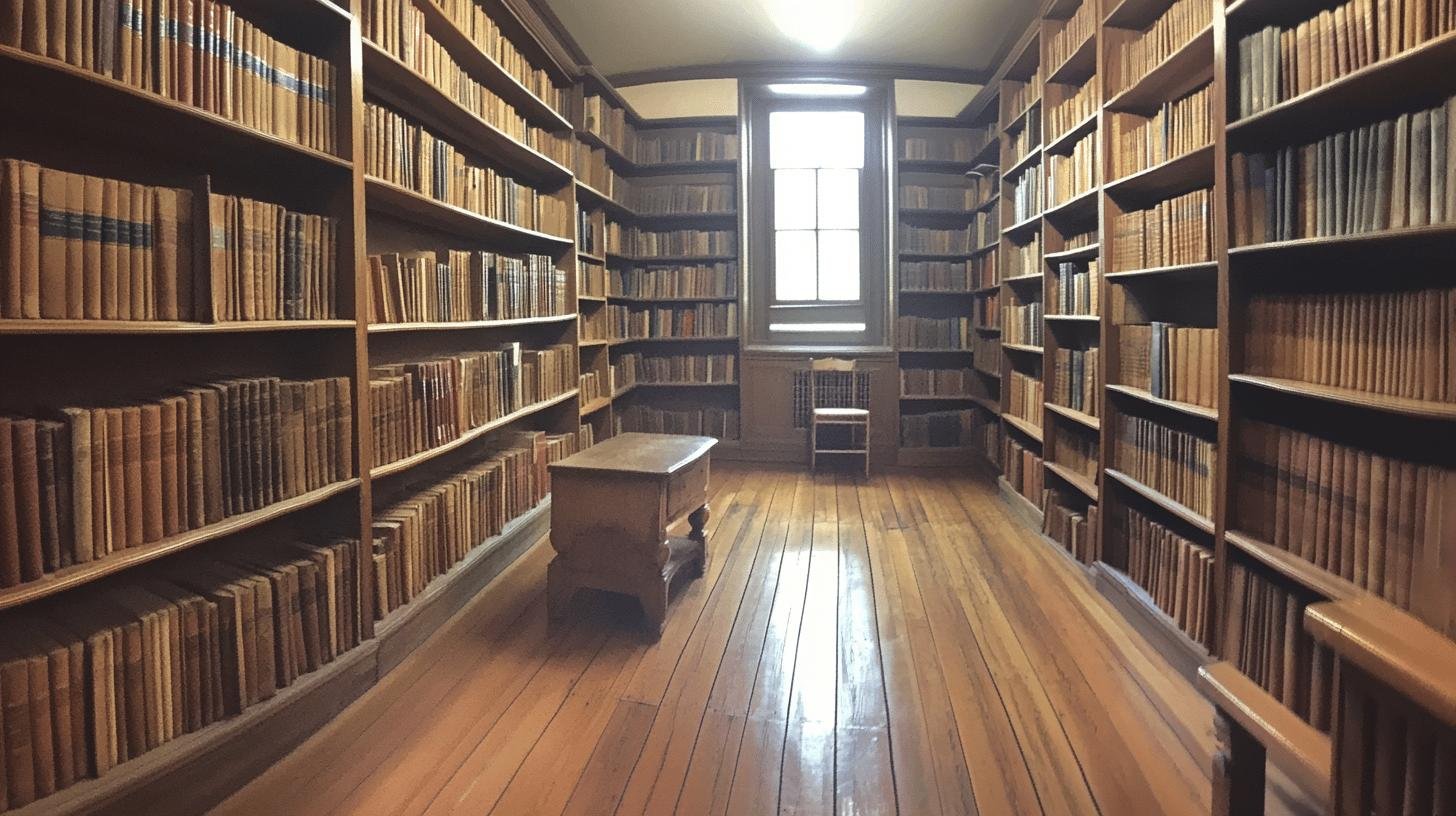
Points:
(819, 24)
(817, 89)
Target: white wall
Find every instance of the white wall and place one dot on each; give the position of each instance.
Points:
(691, 97)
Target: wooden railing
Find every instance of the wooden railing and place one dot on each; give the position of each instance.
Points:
(1393, 748)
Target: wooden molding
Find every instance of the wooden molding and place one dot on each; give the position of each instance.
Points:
(805, 70)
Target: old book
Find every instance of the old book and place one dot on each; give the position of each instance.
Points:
(173, 499)
(27, 497)
(50, 506)
(10, 573)
(110, 249)
(74, 217)
(134, 481)
(15, 703)
(53, 244)
(1419, 207)
(72, 751)
(168, 250)
(126, 267)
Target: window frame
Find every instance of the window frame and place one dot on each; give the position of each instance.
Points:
(872, 308)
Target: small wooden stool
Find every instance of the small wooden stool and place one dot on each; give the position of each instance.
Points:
(611, 506)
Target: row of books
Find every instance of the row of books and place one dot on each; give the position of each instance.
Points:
(607, 122)
(1074, 379)
(1081, 240)
(1264, 637)
(197, 52)
(271, 264)
(402, 152)
(1081, 453)
(1022, 468)
(1076, 288)
(675, 199)
(1367, 517)
(1179, 24)
(937, 429)
(591, 279)
(1392, 174)
(1017, 96)
(593, 387)
(1396, 344)
(945, 145)
(933, 241)
(1277, 63)
(472, 19)
(646, 244)
(422, 405)
(1074, 529)
(80, 483)
(700, 280)
(936, 276)
(986, 311)
(1024, 259)
(1176, 129)
(938, 382)
(673, 148)
(986, 354)
(591, 167)
(985, 269)
(1025, 397)
(701, 320)
(1175, 463)
(1171, 362)
(1076, 108)
(721, 423)
(987, 433)
(1022, 324)
(1024, 139)
(915, 332)
(420, 287)
(1177, 573)
(398, 27)
(1027, 195)
(420, 538)
(90, 683)
(1074, 31)
(928, 197)
(1074, 173)
(633, 368)
(590, 238)
(592, 325)
(1172, 232)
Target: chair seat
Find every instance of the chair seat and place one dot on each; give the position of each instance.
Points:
(842, 413)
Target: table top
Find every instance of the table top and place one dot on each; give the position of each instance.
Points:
(639, 453)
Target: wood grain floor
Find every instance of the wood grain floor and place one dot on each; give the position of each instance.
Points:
(897, 645)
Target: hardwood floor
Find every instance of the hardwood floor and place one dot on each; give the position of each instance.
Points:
(897, 645)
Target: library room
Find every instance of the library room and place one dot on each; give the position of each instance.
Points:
(804, 407)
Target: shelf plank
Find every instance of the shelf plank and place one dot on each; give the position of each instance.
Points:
(1198, 411)
(68, 578)
(1080, 209)
(408, 205)
(1072, 318)
(1084, 419)
(1022, 425)
(1151, 273)
(1032, 156)
(395, 328)
(622, 341)
(1177, 509)
(1083, 485)
(1180, 174)
(1186, 68)
(1079, 254)
(1296, 747)
(703, 299)
(1064, 142)
(1398, 406)
(1024, 349)
(468, 437)
(1076, 68)
(596, 405)
(1293, 568)
(1349, 247)
(119, 327)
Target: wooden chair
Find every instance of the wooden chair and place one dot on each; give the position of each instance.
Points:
(846, 417)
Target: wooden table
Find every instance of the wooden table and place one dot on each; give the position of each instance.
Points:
(611, 506)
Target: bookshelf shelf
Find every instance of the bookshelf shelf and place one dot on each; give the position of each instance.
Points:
(988, 404)
(936, 256)
(487, 71)
(143, 327)
(1019, 121)
(1084, 419)
(1079, 66)
(1186, 68)
(939, 292)
(1397, 406)
(175, 124)
(979, 251)
(1361, 96)
(1064, 142)
(1084, 485)
(935, 398)
(1022, 228)
(592, 343)
(1134, 14)
(1079, 254)
(395, 328)
(468, 437)
(1177, 175)
(589, 257)
(404, 90)
(1022, 425)
(1177, 509)
(623, 341)
(614, 154)
(659, 260)
(704, 216)
(593, 299)
(1294, 568)
(405, 204)
(987, 290)
(1198, 411)
(936, 166)
(1061, 318)
(596, 405)
(1159, 272)
(987, 154)
(686, 167)
(932, 212)
(703, 299)
(1343, 246)
(1032, 157)
(1024, 349)
(988, 329)
(1078, 210)
(68, 578)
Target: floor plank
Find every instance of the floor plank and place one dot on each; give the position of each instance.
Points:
(895, 645)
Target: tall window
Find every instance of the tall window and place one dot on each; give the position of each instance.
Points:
(817, 258)
(817, 158)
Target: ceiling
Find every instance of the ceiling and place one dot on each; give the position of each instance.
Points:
(622, 36)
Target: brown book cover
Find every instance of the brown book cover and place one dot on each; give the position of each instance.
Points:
(219, 258)
(214, 430)
(234, 474)
(53, 244)
(172, 500)
(10, 573)
(181, 420)
(58, 698)
(89, 216)
(27, 497)
(110, 250)
(152, 486)
(166, 251)
(125, 267)
(115, 494)
(196, 469)
(15, 702)
(29, 243)
(50, 506)
(344, 433)
(143, 279)
(72, 751)
(135, 484)
(11, 220)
